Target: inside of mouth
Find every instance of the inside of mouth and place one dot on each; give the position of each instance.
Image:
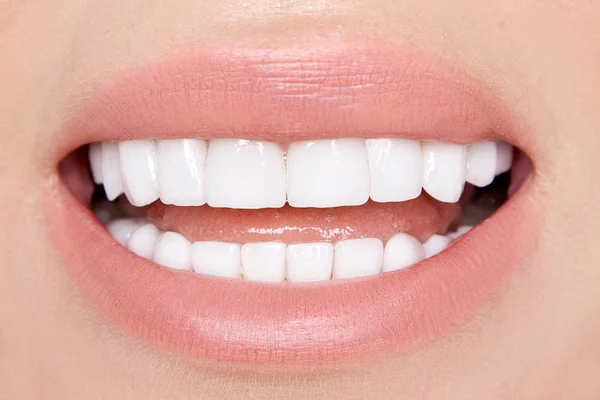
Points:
(303, 212)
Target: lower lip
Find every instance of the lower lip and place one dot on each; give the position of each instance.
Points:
(241, 322)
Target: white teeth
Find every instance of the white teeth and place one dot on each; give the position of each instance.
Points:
(435, 244)
(121, 229)
(95, 155)
(395, 167)
(309, 262)
(357, 257)
(173, 250)
(143, 239)
(245, 174)
(138, 170)
(111, 170)
(481, 163)
(444, 170)
(217, 259)
(252, 174)
(181, 171)
(275, 261)
(402, 251)
(505, 157)
(327, 173)
(264, 262)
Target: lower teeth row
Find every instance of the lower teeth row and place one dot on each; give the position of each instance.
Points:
(275, 261)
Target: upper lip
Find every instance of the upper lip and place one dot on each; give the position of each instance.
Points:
(285, 94)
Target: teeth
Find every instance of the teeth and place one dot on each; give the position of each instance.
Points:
(121, 229)
(327, 173)
(96, 162)
(264, 262)
(357, 257)
(138, 170)
(173, 250)
(181, 171)
(248, 174)
(402, 251)
(436, 244)
(481, 163)
(143, 239)
(217, 259)
(395, 167)
(275, 261)
(245, 174)
(111, 170)
(309, 262)
(444, 169)
(505, 157)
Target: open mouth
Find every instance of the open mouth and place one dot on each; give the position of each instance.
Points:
(320, 209)
(292, 207)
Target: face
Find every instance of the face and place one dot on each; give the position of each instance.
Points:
(294, 115)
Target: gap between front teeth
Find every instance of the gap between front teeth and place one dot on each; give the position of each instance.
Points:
(275, 261)
(322, 173)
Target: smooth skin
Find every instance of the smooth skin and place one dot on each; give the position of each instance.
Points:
(538, 339)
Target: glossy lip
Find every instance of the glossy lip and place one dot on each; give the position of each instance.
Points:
(287, 94)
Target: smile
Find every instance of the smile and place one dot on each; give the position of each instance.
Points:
(290, 242)
(304, 205)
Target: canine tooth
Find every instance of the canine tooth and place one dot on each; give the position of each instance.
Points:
(505, 157)
(481, 163)
(444, 170)
(357, 257)
(402, 251)
(138, 169)
(217, 259)
(111, 170)
(173, 250)
(327, 173)
(435, 244)
(143, 239)
(245, 174)
(395, 169)
(181, 171)
(309, 262)
(121, 229)
(95, 156)
(264, 262)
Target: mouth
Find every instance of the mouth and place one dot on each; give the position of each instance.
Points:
(292, 206)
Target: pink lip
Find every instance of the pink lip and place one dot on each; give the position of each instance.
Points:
(286, 94)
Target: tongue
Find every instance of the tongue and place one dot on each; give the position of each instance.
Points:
(420, 217)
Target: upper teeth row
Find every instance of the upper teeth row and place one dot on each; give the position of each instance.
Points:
(322, 173)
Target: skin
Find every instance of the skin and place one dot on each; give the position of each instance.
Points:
(536, 340)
